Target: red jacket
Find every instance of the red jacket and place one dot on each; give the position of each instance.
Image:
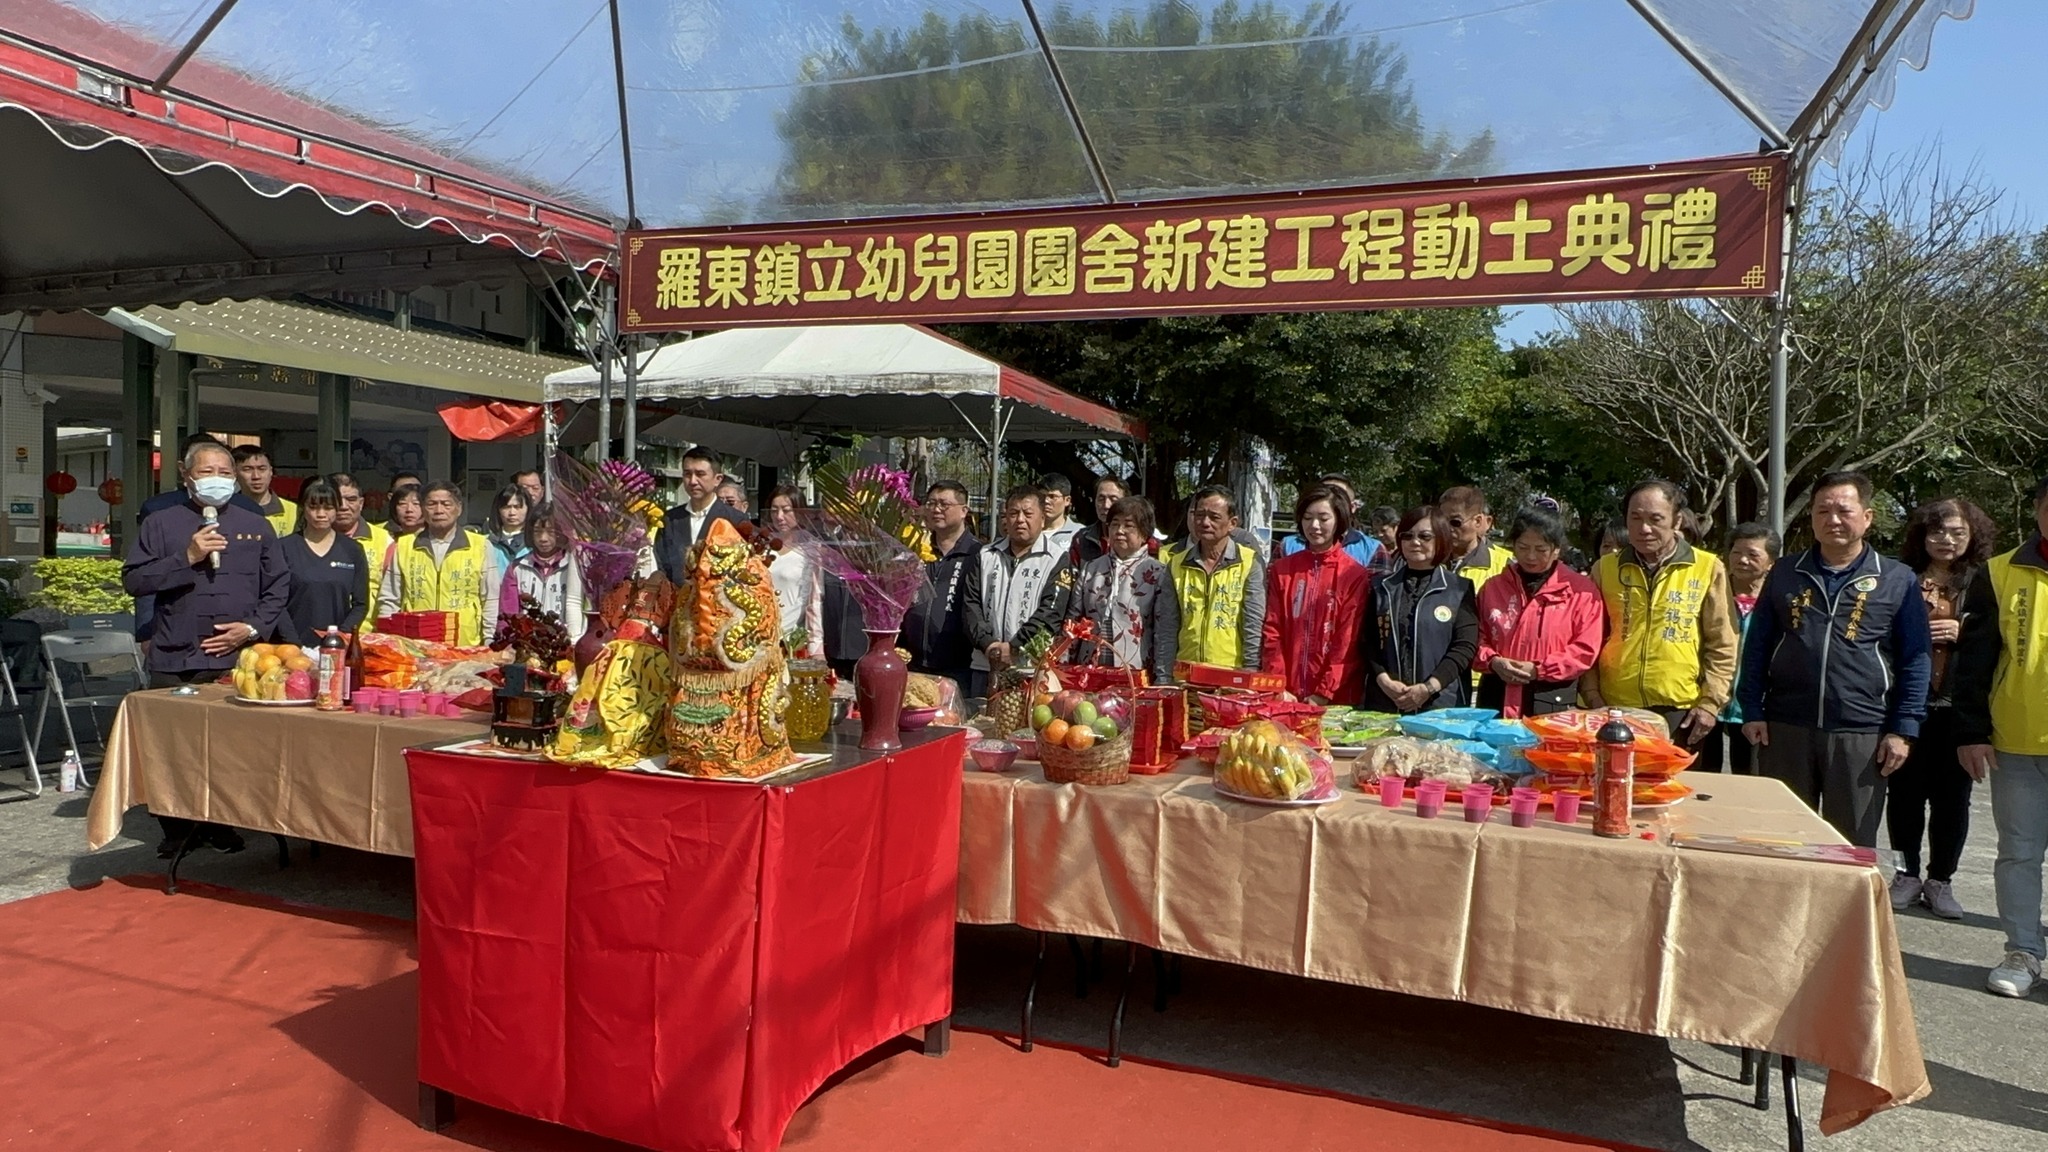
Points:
(1560, 629)
(1315, 611)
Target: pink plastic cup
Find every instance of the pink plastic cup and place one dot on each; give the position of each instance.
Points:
(1565, 807)
(387, 701)
(1393, 790)
(452, 711)
(1478, 800)
(432, 703)
(1522, 808)
(409, 702)
(1429, 799)
(365, 701)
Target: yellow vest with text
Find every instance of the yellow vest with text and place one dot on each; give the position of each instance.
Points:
(376, 542)
(1496, 563)
(454, 585)
(1211, 605)
(1652, 655)
(285, 520)
(2019, 687)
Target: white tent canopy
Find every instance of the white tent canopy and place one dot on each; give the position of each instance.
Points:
(881, 379)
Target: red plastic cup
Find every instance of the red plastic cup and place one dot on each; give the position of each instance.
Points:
(1478, 799)
(1565, 806)
(1393, 790)
(1522, 808)
(409, 702)
(1429, 799)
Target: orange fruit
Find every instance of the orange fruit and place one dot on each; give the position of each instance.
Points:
(1054, 732)
(267, 662)
(298, 663)
(1080, 738)
(1042, 698)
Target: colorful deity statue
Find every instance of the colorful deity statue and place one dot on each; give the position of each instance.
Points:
(731, 686)
(615, 719)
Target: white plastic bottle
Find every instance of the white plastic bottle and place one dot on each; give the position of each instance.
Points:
(71, 773)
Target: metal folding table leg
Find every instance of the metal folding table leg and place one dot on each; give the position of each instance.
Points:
(1748, 1066)
(1763, 1080)
(1080, 966)
(1116, 1022)
(185, 845)
(1031, 991)
(1795, 1129)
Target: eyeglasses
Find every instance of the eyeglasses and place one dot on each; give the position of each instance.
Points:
(944, 504)
(1417, 537)
(1948, 533)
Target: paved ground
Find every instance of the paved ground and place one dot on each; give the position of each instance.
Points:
(1985, 1054)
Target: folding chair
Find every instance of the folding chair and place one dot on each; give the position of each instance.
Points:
(90, 670)
(103, 622)
(10, 705)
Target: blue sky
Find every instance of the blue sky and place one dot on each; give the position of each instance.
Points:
(1981, 100)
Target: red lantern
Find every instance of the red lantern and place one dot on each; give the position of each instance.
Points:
(62, 483)
(110, 490)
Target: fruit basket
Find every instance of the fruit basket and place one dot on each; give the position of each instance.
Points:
(1106, 762)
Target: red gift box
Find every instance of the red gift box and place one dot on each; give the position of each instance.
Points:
(1216, 676)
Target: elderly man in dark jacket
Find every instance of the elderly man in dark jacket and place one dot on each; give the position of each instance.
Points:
(1835, 665)
(220, 582)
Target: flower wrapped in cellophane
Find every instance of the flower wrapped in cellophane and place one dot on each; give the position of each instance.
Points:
(866, 532)
(608, 511)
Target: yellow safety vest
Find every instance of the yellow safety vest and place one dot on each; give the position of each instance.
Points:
(1655, 635)
(454, 585)
(1212, 604)
(285, 520)
(376, 541)
(2019, 718)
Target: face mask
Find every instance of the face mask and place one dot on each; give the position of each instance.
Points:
(214, 491)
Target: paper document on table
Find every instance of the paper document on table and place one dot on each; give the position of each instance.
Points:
(659, 767)
(1777, 847)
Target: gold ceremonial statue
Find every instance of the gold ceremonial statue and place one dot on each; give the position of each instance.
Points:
(731, 685)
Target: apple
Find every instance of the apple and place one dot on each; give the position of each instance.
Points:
(1117, 708)
(298, 686)
(1085, 713)
(1041, 716)
(1064, 703)
(1105, 727)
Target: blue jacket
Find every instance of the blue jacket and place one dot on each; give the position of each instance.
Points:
(1856, 661)
(1362, 546)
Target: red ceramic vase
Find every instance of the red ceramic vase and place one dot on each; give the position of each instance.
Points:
(878, 680)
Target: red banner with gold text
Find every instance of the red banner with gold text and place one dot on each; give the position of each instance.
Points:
(1707, 228)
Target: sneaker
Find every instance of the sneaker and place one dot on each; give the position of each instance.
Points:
(1940, 898)
(1905, 890)
(2016, 976)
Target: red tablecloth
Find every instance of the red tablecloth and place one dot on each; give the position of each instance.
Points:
(677, 963)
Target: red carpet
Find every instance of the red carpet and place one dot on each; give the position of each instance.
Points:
(213, 1020)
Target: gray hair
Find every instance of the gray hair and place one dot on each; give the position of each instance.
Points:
(198, 448)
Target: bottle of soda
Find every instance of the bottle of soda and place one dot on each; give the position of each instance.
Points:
(330, 690)
(1614, 777)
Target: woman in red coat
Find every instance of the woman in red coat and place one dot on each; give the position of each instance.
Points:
(1540, 623)
(1315, 606)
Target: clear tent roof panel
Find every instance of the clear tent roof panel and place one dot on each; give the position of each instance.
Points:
(822, 109)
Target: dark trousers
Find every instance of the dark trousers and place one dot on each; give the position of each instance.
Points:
(1834, 772)
(177, 827)
(1930, 792)
(1726, 750)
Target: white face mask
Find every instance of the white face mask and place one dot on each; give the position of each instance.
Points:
(214, 491)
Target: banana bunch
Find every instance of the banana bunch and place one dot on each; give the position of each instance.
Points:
(253, 685)
(1256, 760)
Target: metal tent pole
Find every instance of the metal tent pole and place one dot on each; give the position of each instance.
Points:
(632, 398)
(1781, 341)
(606, 347)
(995, 466)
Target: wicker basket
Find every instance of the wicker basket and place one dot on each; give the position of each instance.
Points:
(1106, 763)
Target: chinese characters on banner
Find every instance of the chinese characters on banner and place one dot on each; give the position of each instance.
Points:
(1709, 228)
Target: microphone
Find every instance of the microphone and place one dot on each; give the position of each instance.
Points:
(212, 516)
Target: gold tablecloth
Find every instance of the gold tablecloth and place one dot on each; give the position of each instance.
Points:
(335, 777)
(1790, 957)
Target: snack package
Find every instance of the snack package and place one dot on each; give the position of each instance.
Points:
(921, 690)
(1569, 743)
(1438, 726)
(1413, 759)
(1265, 760)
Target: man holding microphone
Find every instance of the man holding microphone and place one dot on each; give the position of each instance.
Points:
(220, 582)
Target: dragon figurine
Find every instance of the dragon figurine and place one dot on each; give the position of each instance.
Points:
(725, 717)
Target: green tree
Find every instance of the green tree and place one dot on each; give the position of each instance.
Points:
(965, 114)
(1350, 392)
